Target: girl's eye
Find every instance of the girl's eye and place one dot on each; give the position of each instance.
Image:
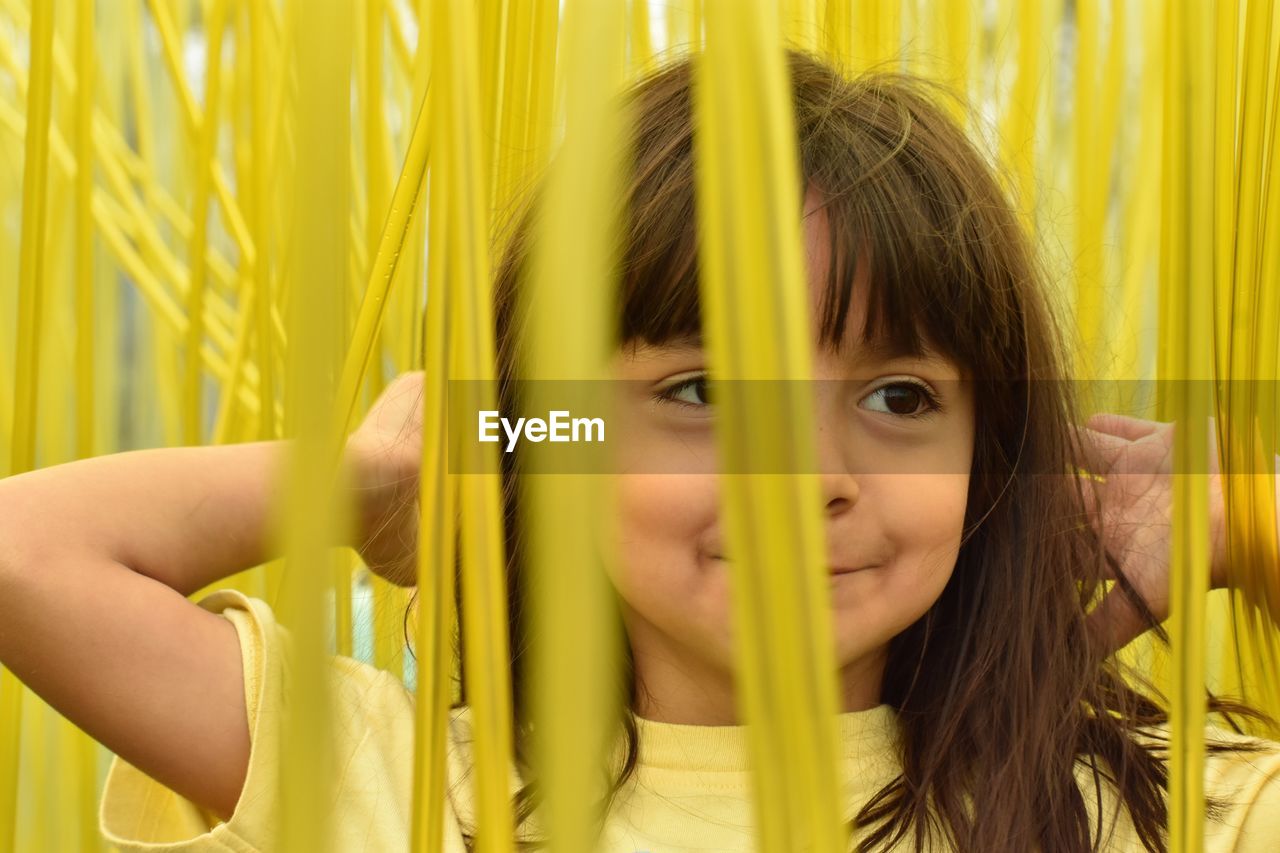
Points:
(905, 399)
(692, 392)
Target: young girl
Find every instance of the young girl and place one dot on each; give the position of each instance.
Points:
(982, 708)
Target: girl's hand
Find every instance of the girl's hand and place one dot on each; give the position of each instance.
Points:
(383, 457)
(1135, 457)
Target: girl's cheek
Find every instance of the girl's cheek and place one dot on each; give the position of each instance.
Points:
(664, 507)
(663, 519)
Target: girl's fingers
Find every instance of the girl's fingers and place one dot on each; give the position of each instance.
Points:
(1102, 520)
(1099, 450)
(1122, 426)
(1089, 488)
(1115, 621)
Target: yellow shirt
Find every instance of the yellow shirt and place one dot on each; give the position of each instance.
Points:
(691, 790)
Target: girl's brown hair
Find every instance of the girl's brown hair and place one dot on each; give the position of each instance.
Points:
(1001, 690)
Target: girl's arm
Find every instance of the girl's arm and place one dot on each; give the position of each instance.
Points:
(97, 558)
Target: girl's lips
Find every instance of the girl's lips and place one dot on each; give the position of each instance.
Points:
(831, 570)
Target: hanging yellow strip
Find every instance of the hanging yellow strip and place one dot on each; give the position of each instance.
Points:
(1018, 128)
(375, 123)
(800, 23)
(1255, 362)
(230, 387)
(31, 259)
(192, 117)
(546, 22)
(460, 154)
(382, 272)
(85, 319)
(436, 537)
(1247, 434)
(837, 33)
(1266, 380)
(572, 315)
(30, 282)
(1227, 27)
(755, 298)
(313, 510)
(494, 25)
(79, 775)
(640, 38)
(508, 112)
(1092, 188)
(958, 41)
(1187, 319)
(1140, 209)
(206, 160)
(260, 216)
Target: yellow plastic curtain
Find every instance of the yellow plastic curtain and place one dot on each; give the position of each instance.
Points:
(757, 334)
(175, 258)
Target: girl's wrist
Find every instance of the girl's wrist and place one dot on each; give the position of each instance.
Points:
(384, 509)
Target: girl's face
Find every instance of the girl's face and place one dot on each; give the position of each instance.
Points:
(893, 486)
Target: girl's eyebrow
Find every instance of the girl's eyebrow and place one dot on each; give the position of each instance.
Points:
(678, 345)
(882, 350)
(885, 352)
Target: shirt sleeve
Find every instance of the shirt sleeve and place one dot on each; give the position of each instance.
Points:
(1259, 793)
(372, 741)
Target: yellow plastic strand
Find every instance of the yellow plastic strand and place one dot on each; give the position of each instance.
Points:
(459, 164)
(78, 775)
(756, 325)
(496, 29)
(193, 118)
(570, 316)
(312, 509)
(957, 42)
(387, 606)
(437, 499)
(27, 378)
(384, 266)
(641, 41)
(31, 261)
(85, 319)
(1226, 116)
(1020, 118)
(800, 22)
(837, 32)
(1249, 429)
(435, 613)
(114, 167)
(376, 143)
(1187, 312)
(1096, 114)
(206, 159)
(545, 23)
(260, 213)
(1140, 233)
(510, 118)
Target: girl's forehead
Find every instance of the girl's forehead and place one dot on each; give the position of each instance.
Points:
(860, 354)
(866, 338)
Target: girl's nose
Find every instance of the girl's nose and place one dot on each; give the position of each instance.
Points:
(835, 469)
(838, 505)
(839, 491)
